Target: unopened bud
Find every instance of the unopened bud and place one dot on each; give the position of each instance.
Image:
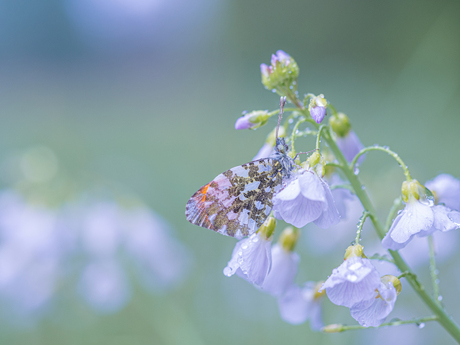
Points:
(289, 238)
(282, 72)
(340, 124)
(318, 294)
(267, 228)
(252, 120)
(412, 189)
(317, 108)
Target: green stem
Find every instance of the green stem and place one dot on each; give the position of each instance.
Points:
(433, 270)
(318, 137)
(342, 328)
(360, 226)
(384, 149)
(443, 318)
(294, 132)
(397, 203)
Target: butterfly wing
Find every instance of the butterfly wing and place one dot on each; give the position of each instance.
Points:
(237, 202)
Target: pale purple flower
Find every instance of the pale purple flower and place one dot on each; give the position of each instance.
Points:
(104, 286)
(298, 305)
(343, 198)
(350, 145)
(265, 151)
(266, 70)
(251, 259)
(283, 270)
(447, 190)
(307, 198)
(355, 280)
(373, 312)
(421, 219)
(318, 113)
(244, 123)
(280, 56)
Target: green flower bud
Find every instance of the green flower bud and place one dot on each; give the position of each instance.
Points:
(317, 163)
(318, 294)
(340, 124)
(289, 238)
(354, 251)
(334, 328)
(268, 227)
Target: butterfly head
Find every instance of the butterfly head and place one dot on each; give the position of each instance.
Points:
(281, 146)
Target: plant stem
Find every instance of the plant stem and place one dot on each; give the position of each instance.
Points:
(360, 226)
(342, 328)
(394, 208)
(433, 270)
(443, 318)
(384, 149)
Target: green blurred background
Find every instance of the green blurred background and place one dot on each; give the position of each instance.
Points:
(146, 93)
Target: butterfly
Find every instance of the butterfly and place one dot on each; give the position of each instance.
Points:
(238, 201)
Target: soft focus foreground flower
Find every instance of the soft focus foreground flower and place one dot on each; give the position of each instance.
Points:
(373, 312)
(419, 217)
(282, 72)
(285, 263)
(446, 189)
(251, 257)
(354, 281)
(307, 198)
(298, 305)
(252, 120)
(317, 108)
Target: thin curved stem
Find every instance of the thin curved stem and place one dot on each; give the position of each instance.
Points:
(318, 137)
(384, 149)
(360, 226)
(397, 203)
(337, 328)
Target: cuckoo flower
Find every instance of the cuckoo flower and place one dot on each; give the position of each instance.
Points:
(446, 189)
(307, 198)
(419, 217)
(251, 257)
(373, 312)
(354, 281)
(285, 263)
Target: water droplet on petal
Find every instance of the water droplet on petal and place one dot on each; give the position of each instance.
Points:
(228, 271)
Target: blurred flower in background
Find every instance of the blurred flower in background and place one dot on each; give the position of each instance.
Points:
(89, 248)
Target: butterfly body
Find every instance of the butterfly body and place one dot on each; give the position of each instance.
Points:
(237, 202)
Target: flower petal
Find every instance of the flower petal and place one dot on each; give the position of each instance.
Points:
(330, 215)
(283, 270)
(293, 306)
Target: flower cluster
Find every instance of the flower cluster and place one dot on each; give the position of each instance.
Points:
(43, 250)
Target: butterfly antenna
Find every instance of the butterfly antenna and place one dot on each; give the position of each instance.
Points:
(282, 103)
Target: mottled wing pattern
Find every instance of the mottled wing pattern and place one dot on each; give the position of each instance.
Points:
(238, 201)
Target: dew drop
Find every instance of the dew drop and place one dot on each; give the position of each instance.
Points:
(244, 246)
(437, 281)
(356, 170)
(421, 325)
(274, 90)
(439, 298)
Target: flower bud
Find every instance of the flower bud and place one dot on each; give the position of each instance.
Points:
(289, 238)
(283, 71)
(354, 251)
(394, 280)
(267, 228)
(340, 124)
(317, 163)
(252, 120)
(334, 328)
(317, 108)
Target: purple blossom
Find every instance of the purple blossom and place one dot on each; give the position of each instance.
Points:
(447, 190)
(280, 56)
(373, 312)
(298, 305)
(283, 271)
(307, 198)
(266, 70)
(104, 286)
(251, 259)
(243, 123)
(421, 219)
(354, 281)
(350, 145)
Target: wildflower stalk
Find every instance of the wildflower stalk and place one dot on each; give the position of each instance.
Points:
(360, 226)
(442, 317)
(397, 203)
(337, 328)
(433, 270)
(384, 149)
